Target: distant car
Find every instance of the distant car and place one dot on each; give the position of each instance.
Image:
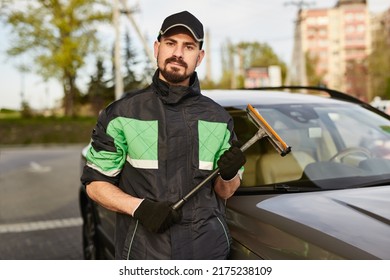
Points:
(383, 105)
(327, 199)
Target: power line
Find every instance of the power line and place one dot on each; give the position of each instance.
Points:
(299, 4)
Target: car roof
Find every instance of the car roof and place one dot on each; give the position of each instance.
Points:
(238, 97)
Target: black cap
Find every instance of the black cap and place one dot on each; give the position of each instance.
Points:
(185, 19)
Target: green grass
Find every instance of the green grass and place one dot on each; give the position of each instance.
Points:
(9, 114)
(40, 130)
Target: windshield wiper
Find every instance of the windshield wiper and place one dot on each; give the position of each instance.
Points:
(375, 183)
(289, 187)
(286, 188)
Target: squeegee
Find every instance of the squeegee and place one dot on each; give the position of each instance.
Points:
(264, 131)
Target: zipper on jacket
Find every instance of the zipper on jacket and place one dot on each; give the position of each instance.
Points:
(131, 241)
(190, 176)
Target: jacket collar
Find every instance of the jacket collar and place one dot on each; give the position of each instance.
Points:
(174, 94)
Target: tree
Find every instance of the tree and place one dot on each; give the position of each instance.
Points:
(248, 54)
(101, 88)
(313, 78)
(130, 79)
(228, 79)
(255, 54)
(99, 93)
(57, 35)
(378, 64)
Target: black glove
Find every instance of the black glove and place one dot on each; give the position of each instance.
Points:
(156, 216)
(231, 161)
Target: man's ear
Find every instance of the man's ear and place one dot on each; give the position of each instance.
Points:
(156, 46)
(200, 57)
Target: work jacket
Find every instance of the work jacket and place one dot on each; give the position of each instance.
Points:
(159, 143)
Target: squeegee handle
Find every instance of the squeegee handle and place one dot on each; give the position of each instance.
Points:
(259, 134)
(180, 203)
(243, 148)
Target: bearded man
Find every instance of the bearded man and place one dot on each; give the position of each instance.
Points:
(150, 148)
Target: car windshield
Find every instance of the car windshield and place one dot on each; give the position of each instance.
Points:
(333, 146)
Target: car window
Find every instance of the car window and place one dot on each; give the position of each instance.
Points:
(328, 141)
(359, 129)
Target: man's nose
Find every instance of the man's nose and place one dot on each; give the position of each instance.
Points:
(178, 51)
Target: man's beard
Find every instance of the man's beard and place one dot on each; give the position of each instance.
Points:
(173, 75)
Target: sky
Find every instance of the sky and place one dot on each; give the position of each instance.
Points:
(264, 21)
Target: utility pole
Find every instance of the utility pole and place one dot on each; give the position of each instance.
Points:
(297, 72)
(23, 69)
(233, 80)
(22, 88)
(117, 51)
(208, 57)
(145, 44)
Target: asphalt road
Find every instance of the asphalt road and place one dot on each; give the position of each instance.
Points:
(39, 211)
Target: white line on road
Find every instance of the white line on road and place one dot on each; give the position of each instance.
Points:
(41, 225)
(37, 168)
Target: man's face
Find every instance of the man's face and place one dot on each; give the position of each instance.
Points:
(178, 55)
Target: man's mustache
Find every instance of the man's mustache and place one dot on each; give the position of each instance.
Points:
(176, 60)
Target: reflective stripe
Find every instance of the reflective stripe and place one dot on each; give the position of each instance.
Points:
(226, 234)
(143, 163)
(111, 173)
(205, 165)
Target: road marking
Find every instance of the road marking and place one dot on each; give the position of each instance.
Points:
(37, 168)
(41, 225)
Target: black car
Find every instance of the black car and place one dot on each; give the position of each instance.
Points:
(329, 198)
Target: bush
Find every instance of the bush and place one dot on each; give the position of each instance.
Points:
(41, 130)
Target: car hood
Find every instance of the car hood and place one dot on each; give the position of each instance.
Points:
(352, 223)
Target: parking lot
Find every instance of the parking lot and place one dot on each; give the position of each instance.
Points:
(39, 213)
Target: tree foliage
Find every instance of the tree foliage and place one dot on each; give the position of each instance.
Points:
(379, 65)
(56, 36)
(313, 78)
(101, 88)
(99, 93)
(228, 79)
(130, 79)
(257, 54)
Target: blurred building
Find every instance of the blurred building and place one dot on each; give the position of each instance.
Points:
(338, 41)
